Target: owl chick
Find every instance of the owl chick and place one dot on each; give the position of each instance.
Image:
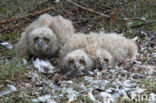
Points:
(38, 38)
(120, 47)
(76, 61)
(61, 29)
(108, 48)
(91, 45)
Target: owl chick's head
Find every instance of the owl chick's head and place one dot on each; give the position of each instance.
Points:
(42, 42)
(77, 60)
(103, 59)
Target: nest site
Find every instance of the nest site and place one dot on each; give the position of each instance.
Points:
(135, 19)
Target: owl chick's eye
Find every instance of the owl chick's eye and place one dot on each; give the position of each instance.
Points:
(46, 40)
(71, 62)
(106, 60)
(36, 39)
(82, 62)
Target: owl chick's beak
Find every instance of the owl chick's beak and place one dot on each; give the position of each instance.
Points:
(101, 62)
(104, 63)
(40, 42)
(76, 66)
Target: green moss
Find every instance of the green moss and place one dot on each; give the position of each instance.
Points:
(12, 68)
(10, 37)
(152, 27)
(151, 86)
(134, 25)
(7, 37)
(84, 99)
(9, 53)
(3, 9)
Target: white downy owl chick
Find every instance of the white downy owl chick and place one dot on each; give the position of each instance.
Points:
(91, 44)
(111, 46)
(77, 61)
(27, 44)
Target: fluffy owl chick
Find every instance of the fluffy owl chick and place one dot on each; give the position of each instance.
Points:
(42, 42)
(63, 28)
(24, 47)
(103, 59)
(120, 47)
(77, 60)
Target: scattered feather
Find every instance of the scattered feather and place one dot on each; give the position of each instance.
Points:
(45, 99)
(24, 61)
(43, 66)
(10, 90)
(7, 45)
(57, 1)
(143, 18)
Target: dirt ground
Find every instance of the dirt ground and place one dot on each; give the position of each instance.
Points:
(135, 19)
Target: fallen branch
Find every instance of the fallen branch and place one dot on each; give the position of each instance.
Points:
(145, 23)
(88, 9)
(5, 21)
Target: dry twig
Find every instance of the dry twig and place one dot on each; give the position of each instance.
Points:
(88, 9)
(145, 23)
(5, 21)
